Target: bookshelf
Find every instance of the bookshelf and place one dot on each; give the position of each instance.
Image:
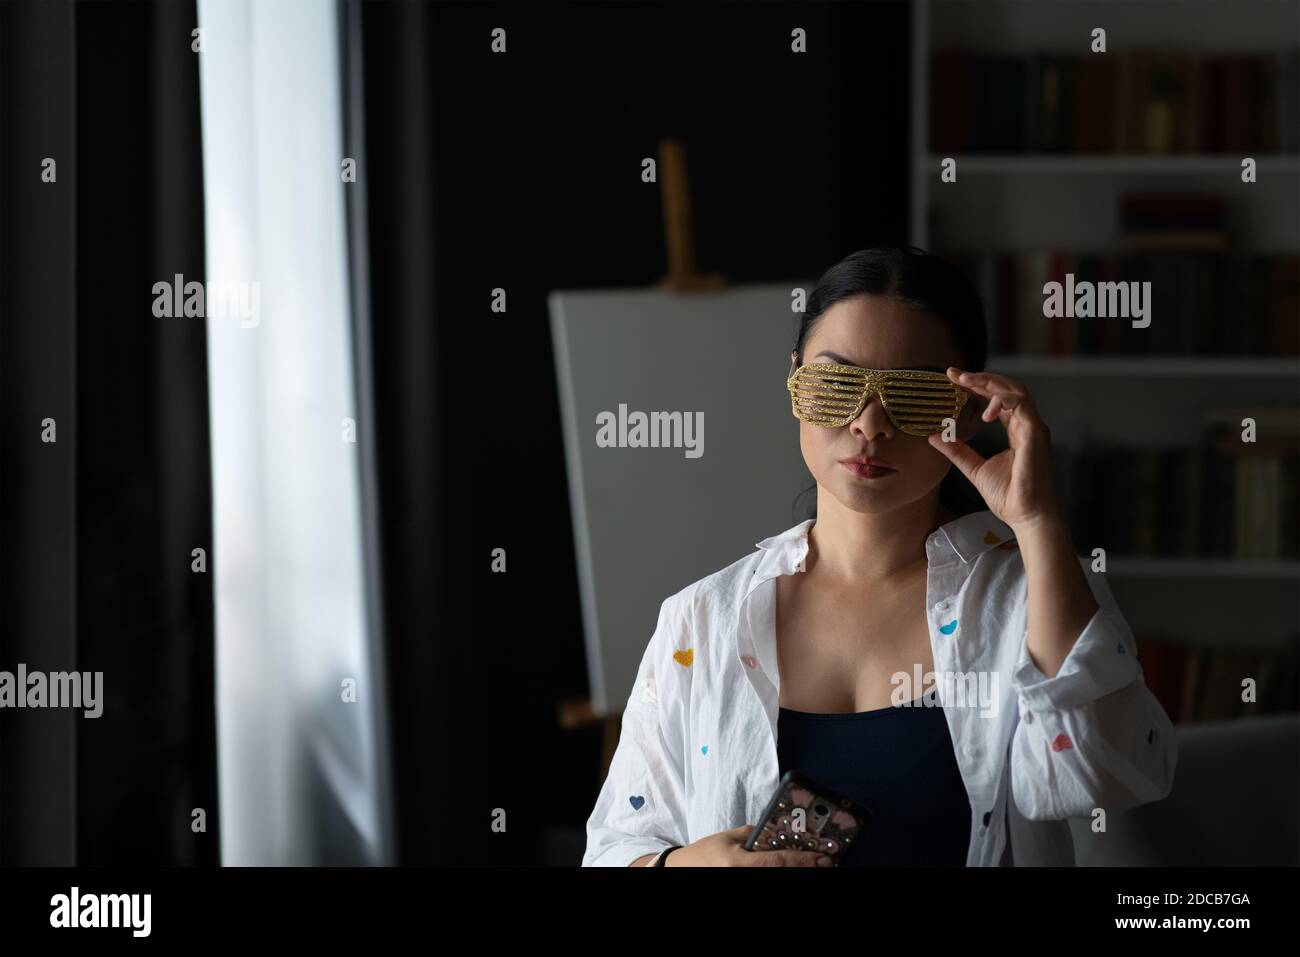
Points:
(1063, 207)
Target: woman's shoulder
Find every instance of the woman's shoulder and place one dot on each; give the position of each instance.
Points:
(691, 618)
(717, 586)
(975, 535)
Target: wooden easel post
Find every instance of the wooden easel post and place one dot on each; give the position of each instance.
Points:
(678, 232)
(577, 713)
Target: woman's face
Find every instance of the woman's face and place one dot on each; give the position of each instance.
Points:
(877, 333)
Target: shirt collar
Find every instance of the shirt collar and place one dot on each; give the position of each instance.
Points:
(784, 553)
(967, 537)
(972, 535)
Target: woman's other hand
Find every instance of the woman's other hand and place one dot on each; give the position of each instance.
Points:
(727, 849)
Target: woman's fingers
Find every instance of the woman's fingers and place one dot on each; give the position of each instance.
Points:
(788, 859)
(967, 460)
(1005, 395)
(987, 384)
(768, 858)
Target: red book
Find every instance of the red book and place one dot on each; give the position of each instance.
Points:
(1163, 664)
(950, 102)
(1236, 108)
(1060, 332)
(1284, 305)
(1209, 106)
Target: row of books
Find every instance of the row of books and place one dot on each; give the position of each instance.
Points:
(1224, 499)
(1202, 302)
(1195, 684)
(1259, 478)
(1140, 101)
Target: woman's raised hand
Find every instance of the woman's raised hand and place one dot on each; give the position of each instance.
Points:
(1016, 484)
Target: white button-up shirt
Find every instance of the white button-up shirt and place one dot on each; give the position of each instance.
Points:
(697, 754)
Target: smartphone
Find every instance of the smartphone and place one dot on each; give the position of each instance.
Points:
(806, 816)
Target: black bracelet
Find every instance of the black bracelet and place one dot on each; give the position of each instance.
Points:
(659, 861)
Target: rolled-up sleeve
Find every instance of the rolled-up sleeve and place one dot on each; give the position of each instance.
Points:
(641, 808)
(1093, 736)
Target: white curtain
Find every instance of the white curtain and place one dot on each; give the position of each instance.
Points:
(297, 758)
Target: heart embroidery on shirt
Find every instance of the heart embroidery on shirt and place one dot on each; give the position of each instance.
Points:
(636, 800)
(704, 750)
(949, 628)
(1061, 742)
(991, 539)
(684, 658)
(1119, 647)
(749, 662)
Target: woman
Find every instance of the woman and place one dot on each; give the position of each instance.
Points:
(803, 654)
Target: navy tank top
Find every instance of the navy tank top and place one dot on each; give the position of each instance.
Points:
(899, 762)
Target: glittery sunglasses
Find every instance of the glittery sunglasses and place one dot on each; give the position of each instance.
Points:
(832, 395)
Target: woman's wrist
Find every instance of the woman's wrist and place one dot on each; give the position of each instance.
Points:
(655, 860)
(661, 859)
(1047, 526)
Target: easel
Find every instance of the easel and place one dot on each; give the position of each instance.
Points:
(682, 278)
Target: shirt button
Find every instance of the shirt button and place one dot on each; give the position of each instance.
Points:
(970, 750)
(942, 605)
(1028, 718)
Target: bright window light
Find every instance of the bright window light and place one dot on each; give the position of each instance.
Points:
(296, 714)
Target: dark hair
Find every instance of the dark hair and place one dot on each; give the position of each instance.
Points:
(912, 276)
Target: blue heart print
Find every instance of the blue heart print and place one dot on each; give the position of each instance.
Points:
(704, 750)
(636, 800)
(949, 628)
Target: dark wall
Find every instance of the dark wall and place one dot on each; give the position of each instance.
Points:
(97, 528)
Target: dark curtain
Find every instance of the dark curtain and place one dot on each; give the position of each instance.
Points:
(521, 172)
(97, 528)
(415, 495)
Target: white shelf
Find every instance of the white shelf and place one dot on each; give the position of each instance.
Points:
(1145, 367)
(1244, 569)
(1120, 163)
(1064, 26)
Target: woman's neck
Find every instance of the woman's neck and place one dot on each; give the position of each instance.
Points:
(862, 546)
